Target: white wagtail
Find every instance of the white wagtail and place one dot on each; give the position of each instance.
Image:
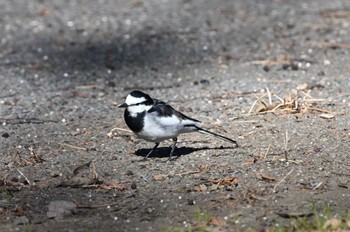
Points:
(155, 121)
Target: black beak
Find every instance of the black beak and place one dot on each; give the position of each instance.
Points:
(124, 105)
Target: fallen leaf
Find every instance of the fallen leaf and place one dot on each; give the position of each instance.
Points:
(200, 188)
(203, 166)
(78, 181)
(216, 221)
(159, 177)
(82, 167)
(113, 185)
(249, 162)
(261, 106)
(226, 181)
(266, 177)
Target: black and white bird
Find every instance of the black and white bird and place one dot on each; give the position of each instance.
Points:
(155, 121)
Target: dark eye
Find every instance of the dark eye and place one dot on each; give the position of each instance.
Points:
(137, 104)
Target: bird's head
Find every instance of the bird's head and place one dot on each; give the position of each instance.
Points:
(137, 101)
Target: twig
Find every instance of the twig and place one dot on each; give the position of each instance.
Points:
(72, 146)
(276, 107)
(259, 98)
(163, 176)
(318, 185)
(286, 146)
(10, 95)
(92, 86)
(187, 173)
(28, 181)
(328, 44)
(14, 121)
(281, 100)
(269, 95)
(320, 110)
(246, 121)
(267, 150)
(94, 171)
(110, 133)
(285, 177)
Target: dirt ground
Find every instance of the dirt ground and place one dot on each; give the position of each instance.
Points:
(273, 75)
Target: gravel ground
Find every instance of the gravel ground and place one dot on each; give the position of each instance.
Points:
(66, 65)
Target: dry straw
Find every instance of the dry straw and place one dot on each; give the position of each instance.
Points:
(292, 103)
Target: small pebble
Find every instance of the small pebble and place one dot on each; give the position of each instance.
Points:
(204, 82)
(111, 84)
(321, 73)
(326, 62)
(59, 209)
(285, 66)
(191, 202)
(133, 185)
(5, 135)
(129, 173)
(294, 66)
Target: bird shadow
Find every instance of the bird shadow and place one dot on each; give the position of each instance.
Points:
(163, 152)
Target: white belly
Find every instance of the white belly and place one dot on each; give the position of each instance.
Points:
(160, 129)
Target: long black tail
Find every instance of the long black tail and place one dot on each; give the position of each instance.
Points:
(200, 130)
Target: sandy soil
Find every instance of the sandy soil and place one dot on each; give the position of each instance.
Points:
(66, 65)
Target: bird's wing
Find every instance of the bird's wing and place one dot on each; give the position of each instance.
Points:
(165, 110)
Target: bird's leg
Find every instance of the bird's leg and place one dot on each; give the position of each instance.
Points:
(172, 149)
(149, 153)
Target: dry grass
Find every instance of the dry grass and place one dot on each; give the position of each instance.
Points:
(292, 103)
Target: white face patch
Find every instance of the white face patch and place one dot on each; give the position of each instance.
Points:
(130, 100)
(134, 110)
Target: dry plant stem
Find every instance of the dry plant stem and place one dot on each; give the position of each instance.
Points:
(323, 44)
(246, 121)
(26, 178)
(94, 171)
(278, 106)
(286, 146)
(267, 150)
(280, 99)
(259, 98)
(269, 95)
(187, 173)
(285, 177)
(321, 110)
(72, 146)
(318, 185)
(110, 133)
